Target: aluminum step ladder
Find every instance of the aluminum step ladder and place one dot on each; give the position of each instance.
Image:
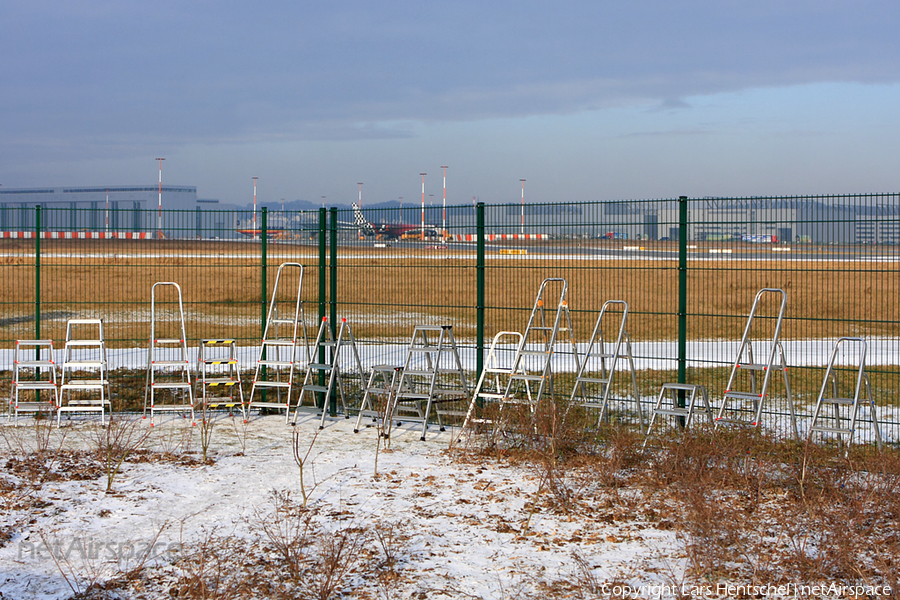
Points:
(594, 380)
(84, 373)
(841, 425)
(539, 344)
(34, 386)
(433, 375)
(280, 351)
(331, 371)
(495, 380)
(378, 396)
(168, 387)
(219, 376)
(677, 403)
(745, 407)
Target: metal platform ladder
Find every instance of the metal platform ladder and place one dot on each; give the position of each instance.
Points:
(737, 405)
(380, 388)
(278, 359)
(855, 348)
(433, 375)
(220, 378)
(496, 378)
(168, 387)
(316, 371)
(84, 378)
(595, 377)
(32, 378)
(682, 404)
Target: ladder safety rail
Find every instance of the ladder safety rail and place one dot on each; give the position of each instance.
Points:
(683, 404)
(842, 425)
(278, 358)
(168, 384)
(84, 373)
(332, 370)
(32, 377)
(737, 404)
(219, 377)
(432, 374)
(606, 355)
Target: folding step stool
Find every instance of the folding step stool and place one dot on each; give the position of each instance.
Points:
(427, 377)
(608, 355)
(737, 406)
(168, 387)
(84, 380)
(325, 341)
(381, 385)
(538, 345)
(278, 351)
(220, 378)
(683, 404)
(857, 347)
(32, 378)
(496, 377)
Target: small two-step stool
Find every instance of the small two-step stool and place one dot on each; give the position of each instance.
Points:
(84, 383)
(34, 387)
(219, 376)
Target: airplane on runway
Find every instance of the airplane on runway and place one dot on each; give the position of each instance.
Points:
(390, 231)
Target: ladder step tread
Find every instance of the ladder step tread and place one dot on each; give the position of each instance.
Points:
(672, 412)
(219, 380)
(742, 395)
(493, 395)
(841, 401)
(320, 366)
(168, 363)
(822, 429)
(275, 363)
(409, 396)
(591, 380)
(83, 363)
(258, 403)
(279, 342)
(36, 385)
(688, 387)
(168, 341)
(526, 377)
(84, 383)
(272, 384)
(534, 352)
(35, 363)
(315, 388)
(169, 385)
(85, 343)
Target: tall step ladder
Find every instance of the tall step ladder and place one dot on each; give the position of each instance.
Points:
(84, 374)
(677, 402)
(34, 386)
(495, 380)
(595, 377)
(168, 387)
(327, 344)
(219, 376)
(546, 324)
(433, 375)
(279, 353)
(745, 407)
(379, 396)
(841, 425)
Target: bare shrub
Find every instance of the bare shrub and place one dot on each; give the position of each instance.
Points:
(115, 442)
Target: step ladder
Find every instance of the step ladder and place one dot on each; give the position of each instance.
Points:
(494, 383)
(84, 373)
(678, 402)
(745, 407)
(595, 377)
(168, 386)
(331, 371)
(433, 375)
(219, 376)
(279, 353)
(378, 396)
(34, 386)
(841, 425)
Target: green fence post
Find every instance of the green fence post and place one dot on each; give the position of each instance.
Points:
(332, 296)
(682, 295)
(264, 292)
(37, 278)
(323, 298)
(479, 301)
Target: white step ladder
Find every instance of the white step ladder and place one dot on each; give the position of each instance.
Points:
(841, 425)
(595, 377)
(682, 404)
(168, 387)
(84, 374)
(329, 370)
(745, 407)
(432, 374)
(495, 380)
(34, 386)
(278, 359)
(379, 396)
(219, 376)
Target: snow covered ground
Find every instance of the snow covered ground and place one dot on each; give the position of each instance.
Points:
(469, 528)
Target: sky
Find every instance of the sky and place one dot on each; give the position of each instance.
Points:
(585, 100)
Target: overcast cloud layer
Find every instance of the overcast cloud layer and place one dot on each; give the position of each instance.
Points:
(94, 80)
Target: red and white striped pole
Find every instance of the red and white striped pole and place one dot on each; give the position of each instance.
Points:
(159, 206)
(444, 211)
(423, 205)
(360, 194)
